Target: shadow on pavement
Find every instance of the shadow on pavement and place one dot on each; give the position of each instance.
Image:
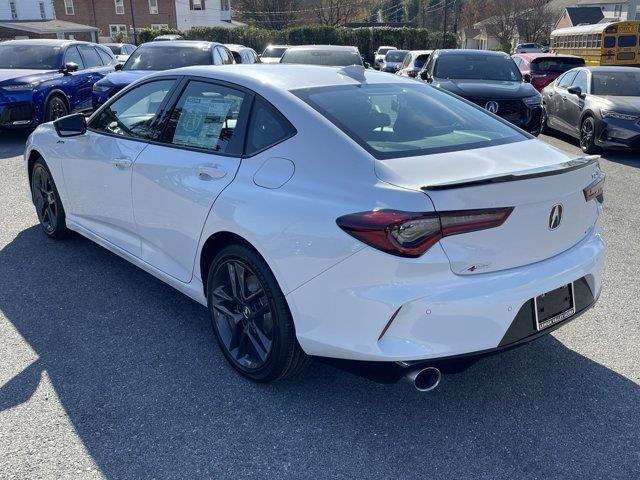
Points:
(12, 143)
(136, 368)
(627, 157)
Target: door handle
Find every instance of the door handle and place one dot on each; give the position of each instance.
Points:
(122, 162)
(214, 172)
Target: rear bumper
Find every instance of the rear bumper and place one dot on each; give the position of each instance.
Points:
(385, 308)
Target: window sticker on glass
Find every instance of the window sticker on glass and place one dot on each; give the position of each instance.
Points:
(202, 121)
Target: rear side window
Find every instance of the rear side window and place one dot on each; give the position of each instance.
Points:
(205, 118)
(104, 56)
(267, 127)
(421, 60)
(90, 56)
(581, 80)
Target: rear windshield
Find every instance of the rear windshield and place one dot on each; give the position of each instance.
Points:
(421, 60)
(477, 67)
(167, 57)
(616, 84)
(555, 64)
(395, 55)
(333, 58)
(32, 57)
(402, 120)
(274, 52)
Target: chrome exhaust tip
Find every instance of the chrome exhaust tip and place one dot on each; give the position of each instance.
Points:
(424, 379)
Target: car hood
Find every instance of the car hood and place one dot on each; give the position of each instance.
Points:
(25, 76)
(487, 88)
(124, 77)
(622, 104)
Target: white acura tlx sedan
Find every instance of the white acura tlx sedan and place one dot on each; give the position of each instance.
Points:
(330, 212)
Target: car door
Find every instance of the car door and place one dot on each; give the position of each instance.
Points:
(74, 83)
(97, 165)
(176, 181)
(574, 104)
(557, 115)
(94, 71)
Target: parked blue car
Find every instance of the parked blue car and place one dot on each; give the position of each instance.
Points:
(42, 80)
(156, 56)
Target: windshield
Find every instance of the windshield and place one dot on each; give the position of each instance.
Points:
(395, 56)
(166, 58)
(116, 49)
(555, 64)
(400, 120)
(477, 67)
(617, 84)
(30, 57)
(333, 58)
(383, 51)
(274, 52)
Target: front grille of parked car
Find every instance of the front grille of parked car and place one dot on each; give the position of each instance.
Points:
(20, 112)
(505, 107)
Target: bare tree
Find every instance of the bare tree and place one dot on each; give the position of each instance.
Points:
(337, 12)
(536, 20)
(501, 21)
(274, 14)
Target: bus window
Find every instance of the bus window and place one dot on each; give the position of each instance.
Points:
(627, 41)
(609, 42)
(599, 44)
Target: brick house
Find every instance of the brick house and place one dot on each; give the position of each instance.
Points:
(114, 16)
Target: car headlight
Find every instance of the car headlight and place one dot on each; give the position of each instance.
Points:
(20, 87)
(618, 115)
(101, 88)
(534, 101)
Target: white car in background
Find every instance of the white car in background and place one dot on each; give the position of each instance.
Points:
(331, 212)
(273, 53)
(529, 48)
(378, 55)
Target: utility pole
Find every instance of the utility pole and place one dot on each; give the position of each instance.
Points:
(444, 27)
(133, 23)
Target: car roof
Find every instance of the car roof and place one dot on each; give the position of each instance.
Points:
(117, 44)
(277, 46)
(420, 52)
(467, 52)
(180, 43)
(342, 48)
(46, 41)
(385, 46)
(619, 68)
(531, 56)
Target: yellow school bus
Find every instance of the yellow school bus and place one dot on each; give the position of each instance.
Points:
(613, 43)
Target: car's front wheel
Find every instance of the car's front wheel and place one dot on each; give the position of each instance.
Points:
(55, 109)
(588, 136)
(47, 202)
(251, 318)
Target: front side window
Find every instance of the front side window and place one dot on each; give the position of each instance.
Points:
(30, 57)
(90, 57)
(267, 127)
(205, 118)
(68, 7)
(398, 120)
(477, 67)
(566, 79)
(73, 56)
(167, 57)
(582, 81)
(132, 114)
(153, 7)
(616, 83)
(119, 7)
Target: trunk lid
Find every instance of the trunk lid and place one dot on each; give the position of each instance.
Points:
(530, 176)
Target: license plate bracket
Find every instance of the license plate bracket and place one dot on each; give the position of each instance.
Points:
(554, 306)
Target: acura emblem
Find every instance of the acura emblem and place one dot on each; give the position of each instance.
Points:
(492, 106)
(555, 217)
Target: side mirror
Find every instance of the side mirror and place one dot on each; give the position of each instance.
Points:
(118, 67)
(527, 78)
(71, 126)
(424, 75)
(575, 90)
(69, 67)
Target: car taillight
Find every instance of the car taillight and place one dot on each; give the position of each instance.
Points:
(595, 189)
(410, 234)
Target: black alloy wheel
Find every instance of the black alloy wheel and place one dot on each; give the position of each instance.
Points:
(250, 316)
(47, 202)
(56, 108)
(588, 136)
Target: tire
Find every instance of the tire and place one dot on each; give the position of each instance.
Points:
(250, 317)
(588, 136)
(55, 108)
(46, 199)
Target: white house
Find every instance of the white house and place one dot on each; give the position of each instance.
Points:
(12, 10)
(203, 13)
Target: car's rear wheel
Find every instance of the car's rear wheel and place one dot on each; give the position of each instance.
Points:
(47, 202)
(588, 136)
(251, 318)
(55, 109)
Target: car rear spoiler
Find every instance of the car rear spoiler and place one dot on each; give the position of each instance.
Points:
(545, 171)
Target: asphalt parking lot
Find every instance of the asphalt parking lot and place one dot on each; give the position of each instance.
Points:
(105, 372)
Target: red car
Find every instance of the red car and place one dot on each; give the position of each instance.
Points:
(544, 68)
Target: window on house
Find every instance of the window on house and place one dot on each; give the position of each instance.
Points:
(14, 9)
(197, 4)
(43, 12)
(159, 26)
(119, 7)
(114, 30)
(68, 7)
(224, 5)
(153, 7)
